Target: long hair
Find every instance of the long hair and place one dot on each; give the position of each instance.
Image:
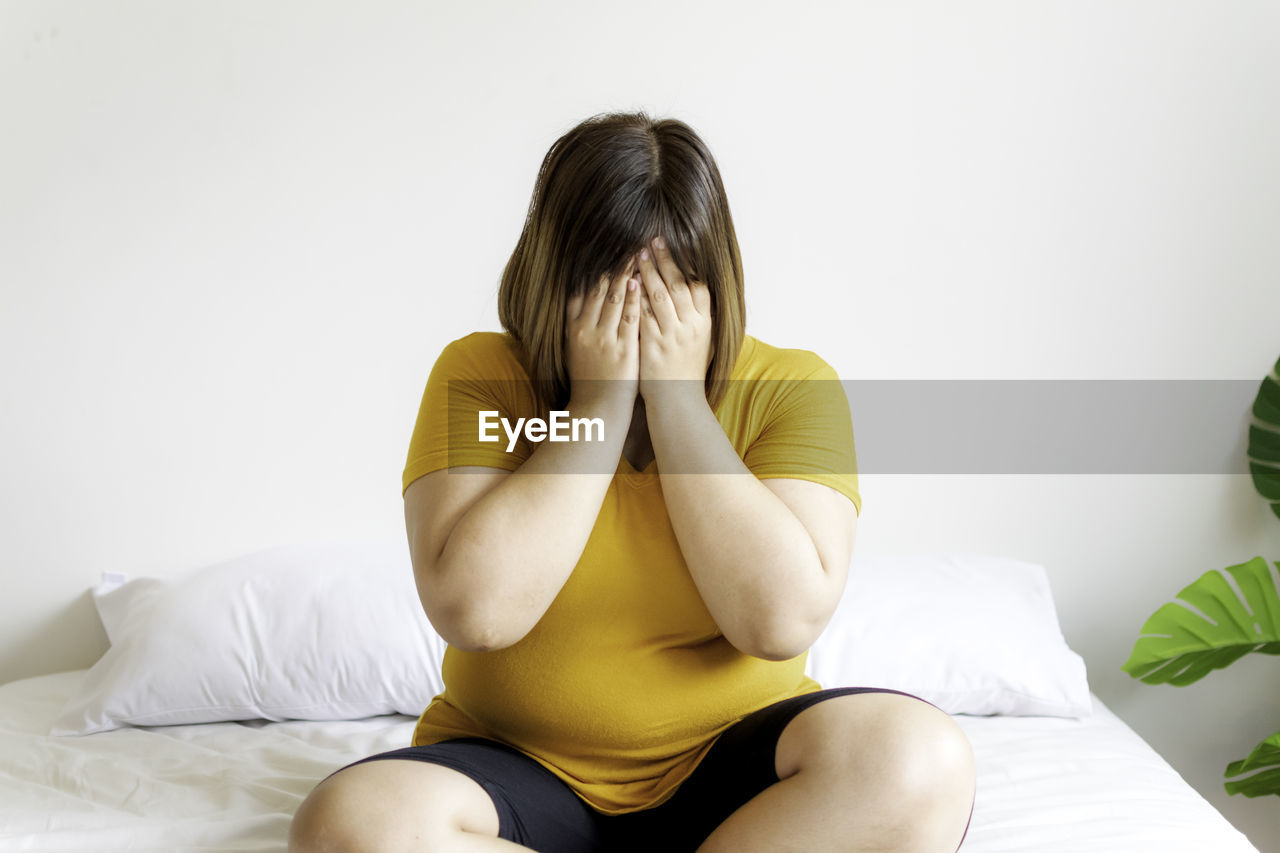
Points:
(604, 191)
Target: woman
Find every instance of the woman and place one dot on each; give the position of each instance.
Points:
(628, 618)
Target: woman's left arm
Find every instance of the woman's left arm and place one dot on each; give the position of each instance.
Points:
(769, 557)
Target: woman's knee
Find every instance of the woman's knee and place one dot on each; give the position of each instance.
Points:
(391, 804)
(937, 780)
(926, 755)
(922, 749)
(911, 749)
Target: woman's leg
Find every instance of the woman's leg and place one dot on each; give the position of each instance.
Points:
(397, 805)
(462, 795)
(871, 771)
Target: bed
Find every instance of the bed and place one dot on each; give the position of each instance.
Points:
(204, 726)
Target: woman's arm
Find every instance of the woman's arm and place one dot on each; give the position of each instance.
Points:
(769, 557)
(491, 550)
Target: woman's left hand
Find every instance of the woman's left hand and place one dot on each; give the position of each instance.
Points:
(675, 323)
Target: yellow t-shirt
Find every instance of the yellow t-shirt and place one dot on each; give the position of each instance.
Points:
(625, 683)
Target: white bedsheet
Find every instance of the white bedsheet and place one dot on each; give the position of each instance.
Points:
(1045, 784)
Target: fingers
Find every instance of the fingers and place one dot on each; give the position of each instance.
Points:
(648, 322)
(701, 294)
(573, 308)
(629, 328)
(588, 303)
(674, 278)
(660, 297)
(611, 311)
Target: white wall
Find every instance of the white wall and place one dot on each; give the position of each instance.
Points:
(234, 236)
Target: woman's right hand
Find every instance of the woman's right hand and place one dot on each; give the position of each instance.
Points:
(603, 340)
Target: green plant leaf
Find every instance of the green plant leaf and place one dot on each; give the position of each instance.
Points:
(1179, 645)
(1264, 440)
(1264, 758)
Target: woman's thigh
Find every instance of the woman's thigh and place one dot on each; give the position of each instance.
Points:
(387, 805)
(740, 765)
(425, 792)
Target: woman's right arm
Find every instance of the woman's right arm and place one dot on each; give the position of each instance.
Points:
(491, 549)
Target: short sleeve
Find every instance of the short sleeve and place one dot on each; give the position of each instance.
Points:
(474, 375)
(808, 434)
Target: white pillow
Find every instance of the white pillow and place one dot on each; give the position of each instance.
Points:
(322, 631)
(973, 634)
(335, 631)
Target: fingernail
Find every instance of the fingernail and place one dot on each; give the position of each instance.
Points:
(659, 242)
(644, 254)
(631, 284)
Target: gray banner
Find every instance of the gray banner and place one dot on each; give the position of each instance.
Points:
(1119, 426)
(928, 426)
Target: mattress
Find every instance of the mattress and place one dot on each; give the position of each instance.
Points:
(1045, 784)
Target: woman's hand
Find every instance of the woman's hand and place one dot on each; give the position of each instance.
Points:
(675, 329)
(603, 341)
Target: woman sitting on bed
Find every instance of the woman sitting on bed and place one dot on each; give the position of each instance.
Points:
(628, 617)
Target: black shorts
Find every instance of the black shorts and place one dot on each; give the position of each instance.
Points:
(539, 811)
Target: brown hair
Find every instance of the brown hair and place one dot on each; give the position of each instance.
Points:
(605, 190)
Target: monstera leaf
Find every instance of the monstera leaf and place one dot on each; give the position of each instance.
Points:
(1226, 614)
(1266, 760)
(1264, 440)
(1183, 642)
